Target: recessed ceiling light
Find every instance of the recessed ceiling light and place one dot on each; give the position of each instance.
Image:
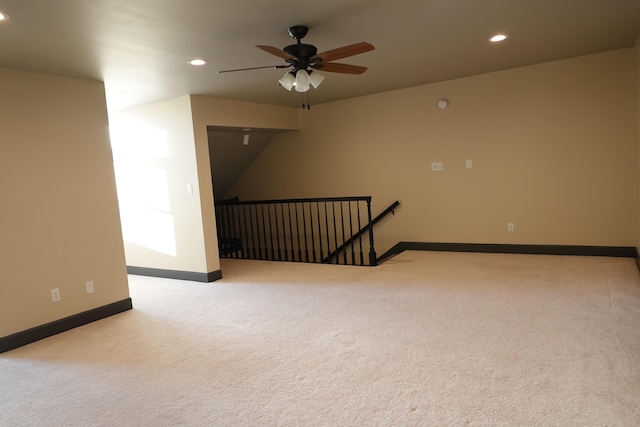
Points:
(498, 38)
(197, 61)
(3, 16)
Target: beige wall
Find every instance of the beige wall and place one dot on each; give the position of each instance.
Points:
(162, 148)
(155, 161)
(553, 146)
(637, 53)
(59, 226)
(219, 112)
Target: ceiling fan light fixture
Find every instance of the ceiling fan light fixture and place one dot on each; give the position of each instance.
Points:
(3, 16)
(315, 78)
(498, 38)
(287, 81)
(302, 81)
(303, 59)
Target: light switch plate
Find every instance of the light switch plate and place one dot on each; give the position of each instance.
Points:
(89, 287)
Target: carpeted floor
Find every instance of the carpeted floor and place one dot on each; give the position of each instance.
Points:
(426, 339)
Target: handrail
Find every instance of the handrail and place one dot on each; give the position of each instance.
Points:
(236, 201)
(363, 230)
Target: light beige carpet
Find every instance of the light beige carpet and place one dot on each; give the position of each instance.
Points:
(426, 339)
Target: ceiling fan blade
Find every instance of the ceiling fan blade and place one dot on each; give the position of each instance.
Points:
(335, 67)
(254, 68)
(343, 52)
(277, 52)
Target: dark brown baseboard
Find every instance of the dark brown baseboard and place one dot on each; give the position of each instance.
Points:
(44, 331)
(610, 251)
(175, 274)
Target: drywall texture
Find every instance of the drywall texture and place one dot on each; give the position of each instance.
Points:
(637, 53)
(163, 170)
(229, 156)
(60, 225)
(553, 150)
(157, 176)
(219, 112)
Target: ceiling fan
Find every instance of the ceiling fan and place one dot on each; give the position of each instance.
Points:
(304, 60)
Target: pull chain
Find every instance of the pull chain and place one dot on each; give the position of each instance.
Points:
(308, 105)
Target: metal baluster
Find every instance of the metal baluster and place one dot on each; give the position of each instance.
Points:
(256, 209)
(240, 253)
(326, 221)
(344, 250)
(273, 250)
(360, 235)
(252, 246)
(254, 232)
(236, 230)
(265, 250)
(304, 228)
(313, 240)
(247, 231)
(225, 229)
(275, 211)
(293, 254)
(284, 233)
(319, 231)
(260, 227)
(353, 253)
(256, 235)
(221, 228)
(298, 234)
(232, 231)
(335, 230)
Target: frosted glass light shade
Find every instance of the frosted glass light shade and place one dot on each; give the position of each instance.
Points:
(315, 79)
(302, 81)
(287, 81)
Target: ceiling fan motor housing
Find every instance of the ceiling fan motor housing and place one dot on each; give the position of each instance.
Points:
(301, 51)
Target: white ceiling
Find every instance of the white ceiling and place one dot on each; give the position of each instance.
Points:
(140, 48)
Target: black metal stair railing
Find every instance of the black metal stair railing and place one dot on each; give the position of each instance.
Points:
(335, 230)
(364, 229)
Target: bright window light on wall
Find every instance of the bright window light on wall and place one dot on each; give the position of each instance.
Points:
(142, 184)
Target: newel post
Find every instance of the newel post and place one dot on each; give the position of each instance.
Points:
(372, 251)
